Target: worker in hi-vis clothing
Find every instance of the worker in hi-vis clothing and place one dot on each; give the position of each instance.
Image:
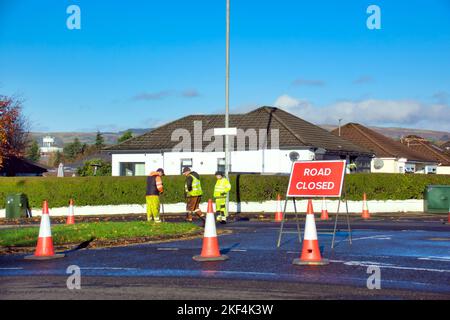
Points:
(154, 189)
(193, 193)
(221, 190)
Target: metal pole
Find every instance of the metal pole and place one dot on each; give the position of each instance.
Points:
(227, 98)
(335, 223)
(340, 127)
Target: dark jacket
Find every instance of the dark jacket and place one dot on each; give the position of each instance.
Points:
(154, 185)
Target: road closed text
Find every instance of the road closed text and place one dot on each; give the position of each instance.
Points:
(316, 185)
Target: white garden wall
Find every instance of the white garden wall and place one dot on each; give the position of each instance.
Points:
(390, 206)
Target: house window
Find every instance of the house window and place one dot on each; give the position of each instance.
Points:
(410, 168)
(430, 169)
(132, 169)
(221, 164)
(185, 163)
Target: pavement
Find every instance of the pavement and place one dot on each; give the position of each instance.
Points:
(412, 256)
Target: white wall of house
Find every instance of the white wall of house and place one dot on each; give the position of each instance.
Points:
(261, 161)
(401, 165)
(443, 170)
(390, 166)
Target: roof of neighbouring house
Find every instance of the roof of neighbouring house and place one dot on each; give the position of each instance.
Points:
(97, 155)
(425, 147)
(13, 166)
(445, 146)
(294, 132)
(380, 145)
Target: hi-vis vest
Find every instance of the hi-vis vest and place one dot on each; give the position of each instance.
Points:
(221, 188)
(196, 187)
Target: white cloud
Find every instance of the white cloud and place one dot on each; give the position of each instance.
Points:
(371, 112)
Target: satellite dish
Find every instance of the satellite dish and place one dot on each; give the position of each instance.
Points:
(378, 163)
(294, 156)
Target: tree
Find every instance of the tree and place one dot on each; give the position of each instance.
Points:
(88, 169)
(33, 152)
(13, 129)
(73, 150)
(99, 141)
(58, 159)
(126, 135)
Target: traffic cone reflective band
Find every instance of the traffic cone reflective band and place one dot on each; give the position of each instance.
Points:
(278, 213)
(210, 249)
(324, 214)
(44, 247)
(310, 251)
(365, 210)
(71, 216)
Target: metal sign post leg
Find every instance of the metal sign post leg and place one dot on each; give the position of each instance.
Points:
(348, 220)
(282, 222)
(335, 223)
(299, 230)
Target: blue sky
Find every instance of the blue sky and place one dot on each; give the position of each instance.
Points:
(137, 64)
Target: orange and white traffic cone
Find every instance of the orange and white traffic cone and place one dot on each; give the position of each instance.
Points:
(310, 252)
(278, 213)
(71, 216)
(44, 247)
(448, 221)
(210, 249)
(365, 210)
(324, 215)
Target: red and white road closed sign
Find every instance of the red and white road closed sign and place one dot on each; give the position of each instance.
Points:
(317, 179)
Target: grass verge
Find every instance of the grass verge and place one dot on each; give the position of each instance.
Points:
(101, 231)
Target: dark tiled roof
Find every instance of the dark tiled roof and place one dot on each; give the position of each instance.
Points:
(379, 144)
(293, 132)
(445, 146)
(425, 147)
(13, 166)
(98, 155)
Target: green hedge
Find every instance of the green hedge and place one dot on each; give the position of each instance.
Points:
(131, 190)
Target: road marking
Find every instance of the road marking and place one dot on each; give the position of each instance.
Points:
(11, 268)
(371, 263)
(167, 249)
(108, 268)
(442, 259)
(389, 266)
(239, 250)
(378, 237)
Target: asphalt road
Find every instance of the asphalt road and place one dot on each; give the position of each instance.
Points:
(413, 257)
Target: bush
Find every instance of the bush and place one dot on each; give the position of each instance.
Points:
(131, 190)
(103, 169)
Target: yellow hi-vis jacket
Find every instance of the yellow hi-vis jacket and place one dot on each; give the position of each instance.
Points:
(196, 187)
(221, 188)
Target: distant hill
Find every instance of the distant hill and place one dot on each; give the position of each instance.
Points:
(111, 137)
(61, 138)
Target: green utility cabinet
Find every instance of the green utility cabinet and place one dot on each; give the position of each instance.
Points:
(437, 198)
(17, 206)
